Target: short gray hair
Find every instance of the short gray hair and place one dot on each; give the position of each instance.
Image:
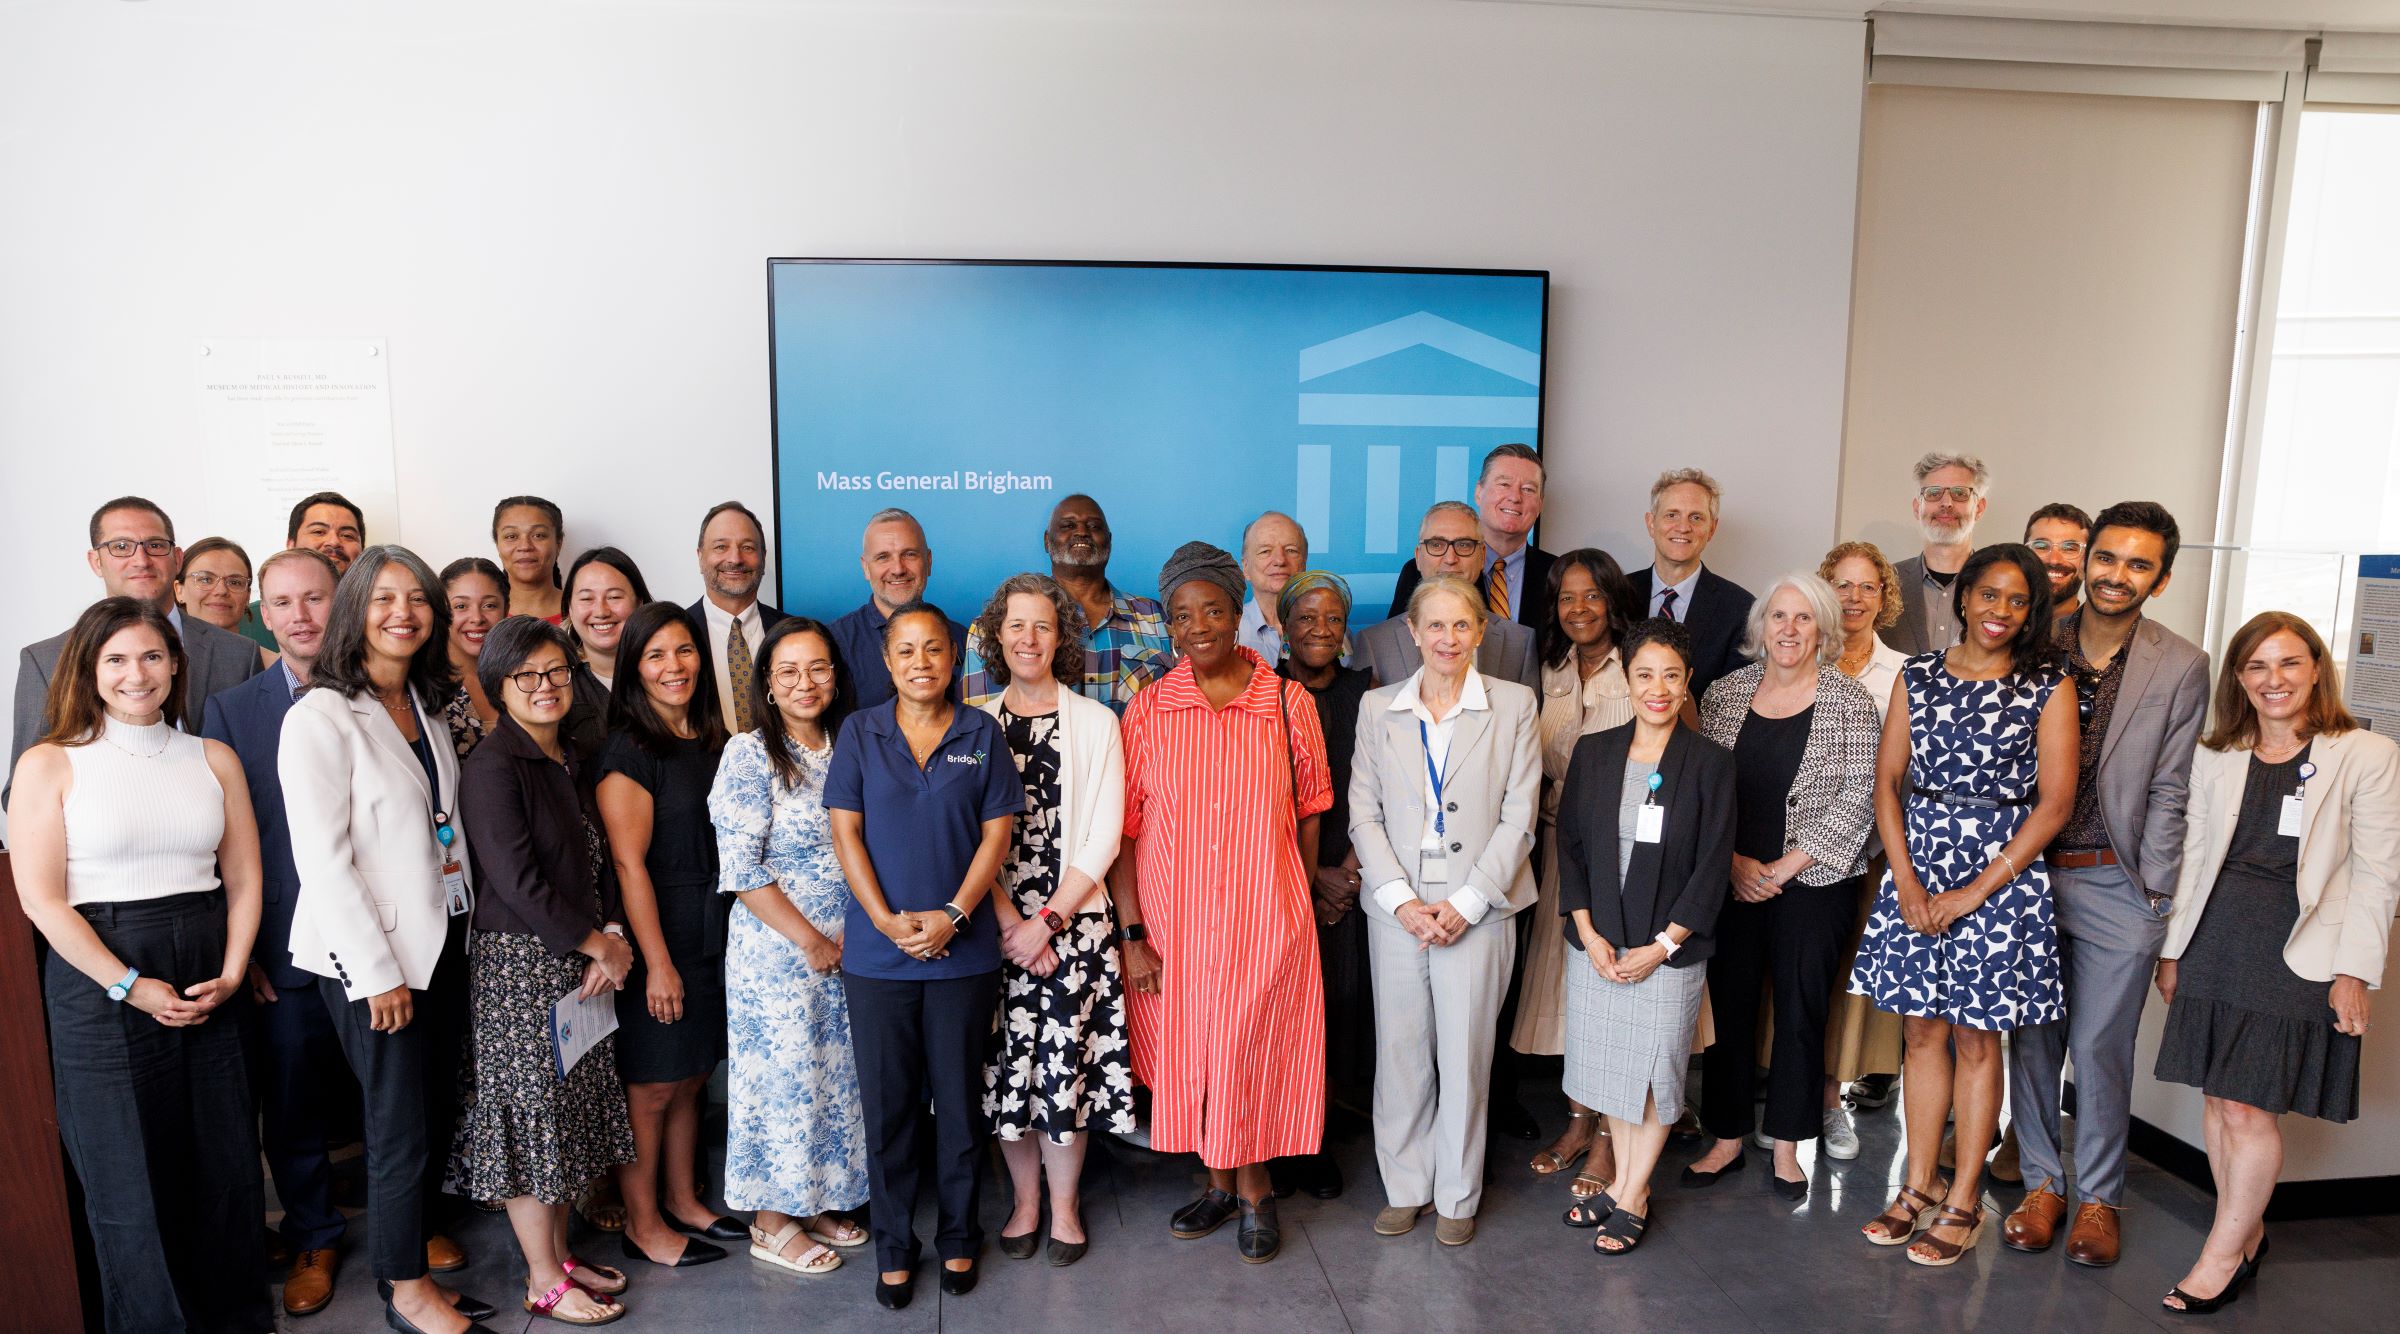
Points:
(1822, 605)
(1936, 461)
(1687, 477)
(894, 514)
(1459, 506)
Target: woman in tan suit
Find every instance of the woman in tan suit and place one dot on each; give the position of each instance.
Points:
(2283, 914)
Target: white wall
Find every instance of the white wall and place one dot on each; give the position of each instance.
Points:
(558, 214)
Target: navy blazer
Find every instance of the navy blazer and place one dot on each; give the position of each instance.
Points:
(249, 718)
(1682, 879)
(1718, 613)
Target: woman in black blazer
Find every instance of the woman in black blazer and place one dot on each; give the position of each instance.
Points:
(1645, 843)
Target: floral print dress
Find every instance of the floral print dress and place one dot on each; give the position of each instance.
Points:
(795, 1129)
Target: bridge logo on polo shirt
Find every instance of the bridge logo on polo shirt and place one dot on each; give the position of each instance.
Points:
(976, 758)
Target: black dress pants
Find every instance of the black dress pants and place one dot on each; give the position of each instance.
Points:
(409, 1083)
(296, 1065)
(159, 1126)
(918, 1041)
(1795, 945)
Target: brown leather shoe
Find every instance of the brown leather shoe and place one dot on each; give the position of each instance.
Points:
(443, 1255)
(309, 1285)
(2093, 1240)
(2033, 1225)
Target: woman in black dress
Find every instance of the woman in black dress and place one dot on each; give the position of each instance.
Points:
(665, 735)
(1314, 609)
(2283, 917)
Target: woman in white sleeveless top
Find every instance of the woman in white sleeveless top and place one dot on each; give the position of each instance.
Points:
(120, 828)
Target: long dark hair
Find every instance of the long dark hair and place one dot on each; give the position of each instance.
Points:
(72, 714)
(2031, 651)
(1614, 586)
(615, 560)
(771, 728)
(2235, 722)
(341, 665)
(629, 707)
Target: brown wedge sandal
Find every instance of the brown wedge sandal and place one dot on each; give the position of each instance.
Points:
(1901, 1219)
(1941, 1254)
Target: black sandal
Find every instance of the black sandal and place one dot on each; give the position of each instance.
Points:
(1591, 1211)
(1615, 1228)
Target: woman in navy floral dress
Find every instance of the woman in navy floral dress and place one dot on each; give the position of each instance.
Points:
(1975, 775)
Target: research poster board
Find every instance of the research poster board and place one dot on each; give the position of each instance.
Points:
(1184, 398)
(2373, 686)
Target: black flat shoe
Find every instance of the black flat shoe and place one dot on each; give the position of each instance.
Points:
(1322, 1178)
(1021, 1246)
(1204, 1215)
(393, 1318)
(1064, 1253)
(1695, 1179)
(695, 1252)
(1794, 1191)
(958, 1283)
(1261, 1236)
(895, 1296)
(465, 1305)
(1511, 1119)
(719, 1228)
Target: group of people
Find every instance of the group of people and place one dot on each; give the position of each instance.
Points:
(1203, 865)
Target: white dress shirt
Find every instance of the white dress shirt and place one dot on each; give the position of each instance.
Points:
(1466, 899)
(720, 630)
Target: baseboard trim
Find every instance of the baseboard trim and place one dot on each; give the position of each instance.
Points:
(2346, 1197)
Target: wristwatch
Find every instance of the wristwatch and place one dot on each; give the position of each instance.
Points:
(1133, 931)
(123, 986)
(1051, 919)
(958, 919)
(1667, 943)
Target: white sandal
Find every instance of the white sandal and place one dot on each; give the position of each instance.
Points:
(859, 1236)
(817, 1259)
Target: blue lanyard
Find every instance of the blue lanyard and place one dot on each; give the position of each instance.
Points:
(1440, 825)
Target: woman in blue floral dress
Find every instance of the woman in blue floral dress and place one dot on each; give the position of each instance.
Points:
(1975, 775)
(795, 1129)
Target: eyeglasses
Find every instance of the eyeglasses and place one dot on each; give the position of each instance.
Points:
(122, 547)
(1863, 588)
(788, 675)
(2068, 548)
(529, 682)
(1438, 547)
(234, 583)
(1961, 494)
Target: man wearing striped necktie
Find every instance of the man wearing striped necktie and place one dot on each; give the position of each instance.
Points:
(733, 556)
(1515, 574)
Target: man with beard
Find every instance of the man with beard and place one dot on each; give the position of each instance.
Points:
(2141, 692)
(896, 561)
(2058, 534)
(733, 553)
(1951, 495)
(1274, 548)
(1516, 574)
(1126, 646)
(328, 523)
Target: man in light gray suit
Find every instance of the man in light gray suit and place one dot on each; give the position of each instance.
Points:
(1952, 490)
(134, 553)
(1449, 542)
(2141, 692)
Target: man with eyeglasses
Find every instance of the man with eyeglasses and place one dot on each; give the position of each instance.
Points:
(733, 557)
(328, 523)
(133, 551)
(294, 1055)
(2058, 533)
(1274, 548)
(1682, 521)
(1449, 542)
(1951, 495)
(1515, 576)
(2141, 692)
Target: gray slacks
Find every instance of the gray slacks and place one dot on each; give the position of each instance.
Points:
(1436, 1013)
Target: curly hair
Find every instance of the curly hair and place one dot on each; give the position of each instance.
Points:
(1066, 661)
(1884, 574)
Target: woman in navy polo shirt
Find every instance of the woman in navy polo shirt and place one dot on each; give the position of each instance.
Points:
(922, 796)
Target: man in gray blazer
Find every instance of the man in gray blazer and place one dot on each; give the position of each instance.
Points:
(133, 551)
(2141, 692)
(1449, 542)
(1950, 497)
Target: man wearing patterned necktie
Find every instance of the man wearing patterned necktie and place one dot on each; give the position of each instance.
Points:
(1682, 519)
(1516, 574)
(733, 556)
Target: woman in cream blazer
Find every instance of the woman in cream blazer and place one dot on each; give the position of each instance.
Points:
(370, 787)
(2282, 919)
(1444, 881)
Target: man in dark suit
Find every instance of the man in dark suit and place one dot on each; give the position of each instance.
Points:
(293, 1050)
(133, 551)
(1515, 573)
(1682, 520)
(732, 621)
(1447, 544)
(1951, 491)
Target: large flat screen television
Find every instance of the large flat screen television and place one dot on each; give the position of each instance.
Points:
(1185, 398)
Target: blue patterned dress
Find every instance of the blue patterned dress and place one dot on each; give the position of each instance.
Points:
(795, 1130)
(1996, 968)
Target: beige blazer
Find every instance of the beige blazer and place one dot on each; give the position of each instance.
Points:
(2349, 853)
(1490, 795)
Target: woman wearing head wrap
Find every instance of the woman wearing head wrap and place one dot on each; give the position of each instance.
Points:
(1225, 778)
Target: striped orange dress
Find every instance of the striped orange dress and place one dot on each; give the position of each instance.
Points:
(1233, 1044)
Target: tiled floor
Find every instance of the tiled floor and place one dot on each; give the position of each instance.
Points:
(1733, 1257)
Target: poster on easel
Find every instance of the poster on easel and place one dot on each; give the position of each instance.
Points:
(2372, 687)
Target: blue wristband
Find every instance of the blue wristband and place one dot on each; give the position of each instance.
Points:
(123, 986)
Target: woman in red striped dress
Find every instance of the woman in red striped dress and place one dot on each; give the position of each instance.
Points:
(1225, 775)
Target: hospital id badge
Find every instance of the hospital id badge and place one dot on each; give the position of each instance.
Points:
(1433, 867)
(454, 887)
(1649, 824)
(2289, 823)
